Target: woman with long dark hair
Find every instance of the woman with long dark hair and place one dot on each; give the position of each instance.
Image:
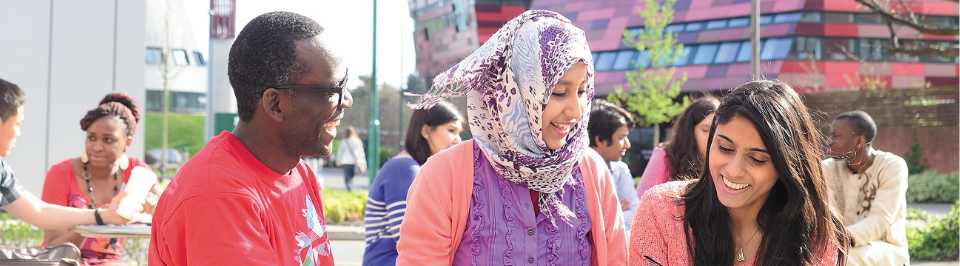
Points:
(681, 157)
(761, 199)
(430, 131)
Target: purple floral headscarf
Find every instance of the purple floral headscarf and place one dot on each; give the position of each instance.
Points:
(508, 81)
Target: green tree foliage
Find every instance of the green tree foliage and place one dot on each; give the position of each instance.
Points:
(653, 90)
(915, 164)
(358, 115)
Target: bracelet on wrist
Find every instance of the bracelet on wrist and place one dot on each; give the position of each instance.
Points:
(96, 214)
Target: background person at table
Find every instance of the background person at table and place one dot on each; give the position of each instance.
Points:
(681, 157)
(350, 156)
(430, 131)
(21, 203)
(98, 174)
(761, 199)
(246, 198)
(609, 129)
(526, 189)
(869, 186)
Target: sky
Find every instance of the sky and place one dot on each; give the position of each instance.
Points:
(349, 24)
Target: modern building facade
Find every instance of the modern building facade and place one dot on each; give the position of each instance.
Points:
(66, 55)
(816, 45)
(449, 30)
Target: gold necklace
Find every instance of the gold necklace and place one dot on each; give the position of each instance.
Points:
(740, 257)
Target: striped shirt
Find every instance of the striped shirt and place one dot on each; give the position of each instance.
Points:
(386, 204)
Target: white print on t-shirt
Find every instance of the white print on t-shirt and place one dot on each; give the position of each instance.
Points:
(313, 243)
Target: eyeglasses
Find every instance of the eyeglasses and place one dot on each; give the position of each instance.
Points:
(321, 89)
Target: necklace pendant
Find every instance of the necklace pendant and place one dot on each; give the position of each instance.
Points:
(740, 257)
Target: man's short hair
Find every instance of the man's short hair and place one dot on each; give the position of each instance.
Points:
(11, 98)
(861, 122)
(605, 119)
(264, 55)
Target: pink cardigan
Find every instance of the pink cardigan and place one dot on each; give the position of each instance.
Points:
(657, 171)
(439, 201)
(658, 230)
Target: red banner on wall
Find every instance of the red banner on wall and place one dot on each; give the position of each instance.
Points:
(223, 17)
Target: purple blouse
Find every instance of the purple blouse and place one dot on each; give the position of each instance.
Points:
(502, 228)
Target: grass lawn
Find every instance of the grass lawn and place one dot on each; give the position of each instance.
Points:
(185, 130)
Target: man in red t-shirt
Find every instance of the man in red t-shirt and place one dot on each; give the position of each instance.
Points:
(246, 198)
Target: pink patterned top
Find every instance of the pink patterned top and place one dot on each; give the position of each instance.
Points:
(657, 232)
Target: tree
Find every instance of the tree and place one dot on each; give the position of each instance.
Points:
(902, 14)
(653, 90)
(167, 35)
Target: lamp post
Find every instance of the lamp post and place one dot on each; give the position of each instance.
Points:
(373, 129)
(755, 38)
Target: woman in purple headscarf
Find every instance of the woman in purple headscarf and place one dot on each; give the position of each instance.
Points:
(526, 189)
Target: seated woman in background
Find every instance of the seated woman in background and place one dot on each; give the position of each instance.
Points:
(100, 173)
(526, 189)
(430, 131)
(761, 199)
(681, 157)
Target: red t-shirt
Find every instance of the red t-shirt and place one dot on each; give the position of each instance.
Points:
(225, 207)
(60, 187)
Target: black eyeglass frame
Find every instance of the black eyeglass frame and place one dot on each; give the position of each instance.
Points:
(321, 89)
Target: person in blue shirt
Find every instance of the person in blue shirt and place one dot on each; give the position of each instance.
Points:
(608, 129)
(430, 131)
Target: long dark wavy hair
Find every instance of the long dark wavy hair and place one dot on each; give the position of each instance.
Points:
(439, 114)
(682, 150)
(797, 219)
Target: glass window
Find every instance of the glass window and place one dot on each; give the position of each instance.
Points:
(199, 58)
(831, 17)
(605, 60)
(594, 58)
(154, 56)
(787, 17)
(745, 51)
(838, 48)
(807, 48)
(693, 26)
(623, 59)
(716, 24)
(811, 16)
(872, 50)
(871, 18)
(684, 56)
(765, 19)
(705, 54)
(940, 20)
(641, 59)
(180, 57)
(904, 57)
(674, 28)
(727, 52)
(775, 49)
(738, 22)
(633, 32)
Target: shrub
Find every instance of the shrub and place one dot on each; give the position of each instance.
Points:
(18, 234)
(938, 240)
(913, 158)
(933, 187)
(342, 207)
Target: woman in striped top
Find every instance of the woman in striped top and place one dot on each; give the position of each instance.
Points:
(430, 131)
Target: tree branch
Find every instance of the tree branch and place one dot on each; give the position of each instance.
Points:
(909, 20)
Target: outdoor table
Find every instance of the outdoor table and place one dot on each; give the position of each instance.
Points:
(132, 230)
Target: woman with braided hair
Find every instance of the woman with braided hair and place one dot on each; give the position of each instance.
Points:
(99, 173)
(526, 189)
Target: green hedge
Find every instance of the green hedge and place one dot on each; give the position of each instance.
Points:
(184, 130)
(933, 187)
(939, 240)
(342, 207)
